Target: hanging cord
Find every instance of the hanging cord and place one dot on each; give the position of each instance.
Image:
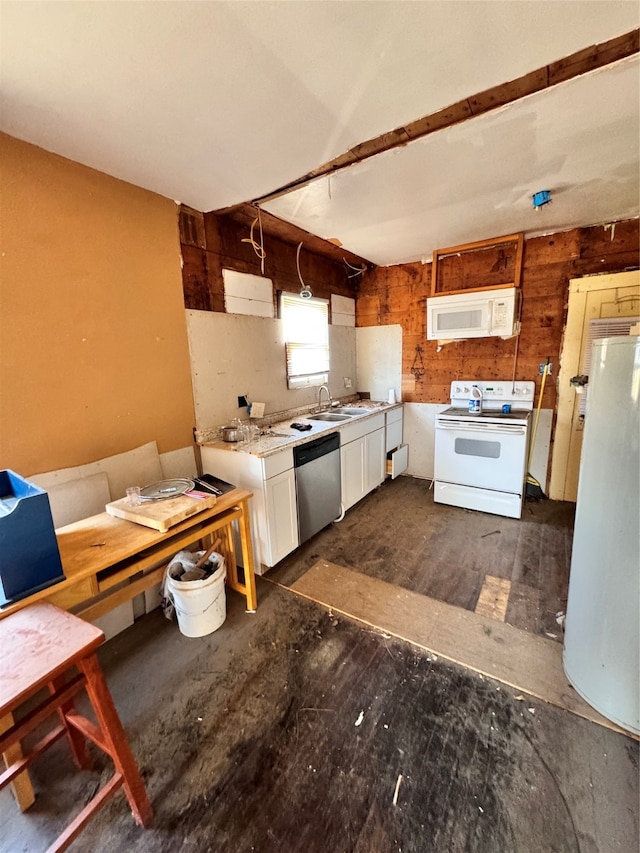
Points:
(515, 355)
(515, 362)
(358, 270)
(305, 292)
(258, 248)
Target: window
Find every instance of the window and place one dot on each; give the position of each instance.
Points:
(306, 334)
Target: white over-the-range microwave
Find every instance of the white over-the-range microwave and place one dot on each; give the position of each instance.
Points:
(483, 314)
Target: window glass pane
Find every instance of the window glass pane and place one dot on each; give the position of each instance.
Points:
(306, 331)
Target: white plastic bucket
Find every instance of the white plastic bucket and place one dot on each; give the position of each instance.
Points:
(201, 606)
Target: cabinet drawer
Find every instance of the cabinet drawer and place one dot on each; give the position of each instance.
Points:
(352, 431)
(75, 594)
(398, 461)
(394, 415)
(394, 435)
(277, 463)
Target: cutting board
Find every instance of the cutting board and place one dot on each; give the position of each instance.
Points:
(160, 515)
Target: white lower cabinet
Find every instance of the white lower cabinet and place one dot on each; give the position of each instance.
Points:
(394, 429)
(352, 466)
(362, 459)
(397, 452)
(374, 458)
(281, 516)
(273, 507)
(274, 511)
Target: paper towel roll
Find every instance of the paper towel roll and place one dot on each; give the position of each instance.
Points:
(392, 396)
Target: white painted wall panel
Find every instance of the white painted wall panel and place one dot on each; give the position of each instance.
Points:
(343, 310)
(233, 355)
(247, 294)
(419, 434)
(379, 354)
(250, 307)
(541, 450)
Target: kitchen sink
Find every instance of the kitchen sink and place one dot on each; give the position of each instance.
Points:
(343, 410)
(329, 416)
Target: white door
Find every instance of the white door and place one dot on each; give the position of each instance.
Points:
(590, 298)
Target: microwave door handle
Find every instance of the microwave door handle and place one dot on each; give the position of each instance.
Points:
(490, 316)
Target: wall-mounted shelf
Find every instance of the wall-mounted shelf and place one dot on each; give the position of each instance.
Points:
(496, 263)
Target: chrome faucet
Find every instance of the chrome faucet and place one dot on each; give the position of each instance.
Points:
(320, 390)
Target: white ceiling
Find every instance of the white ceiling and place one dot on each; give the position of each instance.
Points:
(476, 180)
(217, 103)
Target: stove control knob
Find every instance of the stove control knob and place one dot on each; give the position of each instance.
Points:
(466, 389)
(457, 389)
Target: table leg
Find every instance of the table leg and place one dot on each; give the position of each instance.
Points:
(230, 555)
(21, 785)
(76, 741)
(247, 557)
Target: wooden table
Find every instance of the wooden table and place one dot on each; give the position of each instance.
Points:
(108, 561)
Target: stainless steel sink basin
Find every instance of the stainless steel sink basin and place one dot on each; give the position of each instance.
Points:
(345, 410)
(329, 416)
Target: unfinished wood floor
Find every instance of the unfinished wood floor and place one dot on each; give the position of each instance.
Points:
(516, 570)
(292, 731)
(297, 731)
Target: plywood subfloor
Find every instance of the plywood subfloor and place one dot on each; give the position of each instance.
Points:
(399, 535)
(523, 661)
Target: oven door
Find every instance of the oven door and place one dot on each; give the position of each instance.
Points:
(489, 456)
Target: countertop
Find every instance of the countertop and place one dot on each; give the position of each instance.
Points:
(280, 435)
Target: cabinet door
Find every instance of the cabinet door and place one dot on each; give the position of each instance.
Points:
(352, 465)
(374, 471)
(282, 515)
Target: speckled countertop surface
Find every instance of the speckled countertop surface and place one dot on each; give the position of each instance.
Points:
(280, 434)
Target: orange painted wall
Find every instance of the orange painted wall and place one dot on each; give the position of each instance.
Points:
(94, 357)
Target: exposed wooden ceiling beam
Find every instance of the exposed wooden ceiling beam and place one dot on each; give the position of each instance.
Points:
(588, 59)
(276, 227)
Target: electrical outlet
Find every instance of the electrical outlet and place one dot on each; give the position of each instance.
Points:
(347, 382)
(542, 366)
(242, 401)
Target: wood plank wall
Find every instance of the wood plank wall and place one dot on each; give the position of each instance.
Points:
(212, 242)
(389, 295)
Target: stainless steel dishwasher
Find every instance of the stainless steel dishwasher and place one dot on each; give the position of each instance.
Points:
(317, 467)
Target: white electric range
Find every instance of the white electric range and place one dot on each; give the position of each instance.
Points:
(481, 459)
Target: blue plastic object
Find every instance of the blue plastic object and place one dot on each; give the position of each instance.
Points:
(540, 198)
(29, 555)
